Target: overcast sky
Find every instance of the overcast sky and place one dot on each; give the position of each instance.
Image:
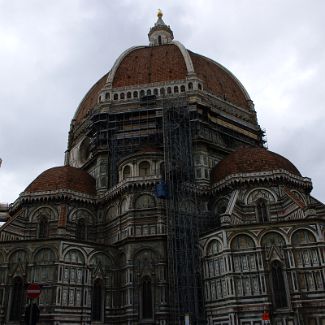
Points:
(52, 51)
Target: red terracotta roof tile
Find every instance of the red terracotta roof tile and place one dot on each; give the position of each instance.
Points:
(90, 100)
(249, 160)
(151, 64)
(218, 81)
(63, 178)
(162, 64)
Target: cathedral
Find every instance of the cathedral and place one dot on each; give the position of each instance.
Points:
(169, 208)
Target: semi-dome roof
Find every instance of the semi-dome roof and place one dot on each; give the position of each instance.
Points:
(165, 62)
(251, 160)
(63, 178)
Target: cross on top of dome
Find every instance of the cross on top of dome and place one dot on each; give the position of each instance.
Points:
(160, 33)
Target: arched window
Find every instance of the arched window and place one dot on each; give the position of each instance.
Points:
(43, 227)
(44, 256)
(97, 301)
(73, 256)
(128, 95)
(126, 172)
(81, 229)
(169, 90)
(278, 285)
(145, 201)
(162, 91)
(301, 237)
(175, 89)
(190, 86)
(100, 259)
(147, 299)
(16, 299)
(107, 96)
(122, 96)
(159, 39)
(135, 94)
(242, 242)
(144, 168)
(182, 88)
(261, 211)
(272, 239)
(200, 86)
(115, 96)
(214, 248)
(155, 91)
(44, 267)
(124, 205)
(304, 255)
(142, 93)
(148, 92)
(112, 213)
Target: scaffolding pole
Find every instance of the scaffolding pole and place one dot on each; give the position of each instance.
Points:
(181, 207)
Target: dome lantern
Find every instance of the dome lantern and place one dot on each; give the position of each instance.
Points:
(160, 33)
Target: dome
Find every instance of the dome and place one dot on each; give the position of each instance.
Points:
(63, 178)
(251, 160)
(90, 100)
(150, 64)
(155, 64)
(164, 62)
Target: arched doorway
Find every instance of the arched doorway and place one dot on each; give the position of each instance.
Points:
(17, 297)
(97, 300)
(146, 298)
(279, 291)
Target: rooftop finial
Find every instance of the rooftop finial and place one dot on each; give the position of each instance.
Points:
(159, 13)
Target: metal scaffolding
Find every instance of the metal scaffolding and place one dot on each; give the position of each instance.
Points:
(123, 133)
(181, 208)
(176, 127)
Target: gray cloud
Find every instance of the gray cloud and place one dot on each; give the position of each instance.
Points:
(51, 52)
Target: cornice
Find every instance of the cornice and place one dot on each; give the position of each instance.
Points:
(61, 195)
(236, 180)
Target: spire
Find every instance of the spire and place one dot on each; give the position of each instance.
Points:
(160, 22)
(160, 33)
